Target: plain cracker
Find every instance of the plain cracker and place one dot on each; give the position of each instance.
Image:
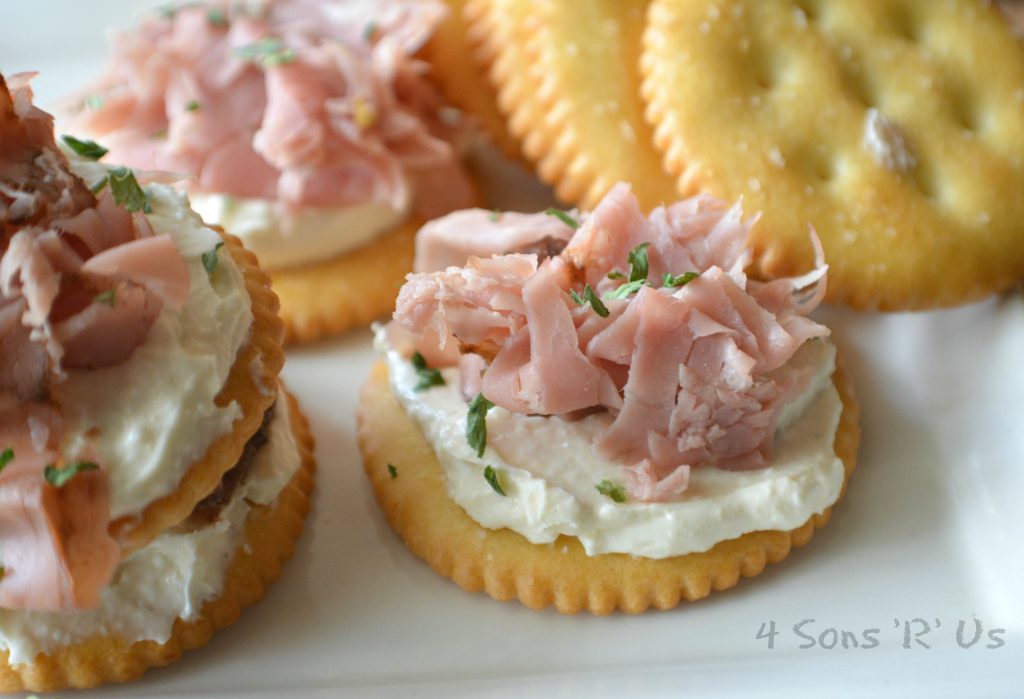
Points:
(462, 81)
(352, 289)
(582, 119)
(270, 534)
(769, 101)
(507, 566)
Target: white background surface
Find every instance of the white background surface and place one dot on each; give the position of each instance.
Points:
(930, 528)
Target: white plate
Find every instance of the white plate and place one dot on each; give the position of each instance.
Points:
(930, 529)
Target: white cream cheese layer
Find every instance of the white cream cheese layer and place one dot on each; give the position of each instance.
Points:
(309, 235)
(172, 577)
(151, 417)
(549, 469)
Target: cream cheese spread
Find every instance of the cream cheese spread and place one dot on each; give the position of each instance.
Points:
(151, 417)
(172, 577)
(549, 468)
(308, 235)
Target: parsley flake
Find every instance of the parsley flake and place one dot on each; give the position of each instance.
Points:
(563, 217)
(682, 280)
(126, 190)
(590, 297)
(268, 51)
(106, 297)
(59, 476)
(192, 105)
(625, 290)
(99, 186)
(428, 377)
(476, 423)
(210, 259)
(612, 490)
(494, 216)
(615, 274)
(6, 457)
(638, 263)
(491, 476)
(392, 471)
(86, 149)
(94, 102)
(216, 17)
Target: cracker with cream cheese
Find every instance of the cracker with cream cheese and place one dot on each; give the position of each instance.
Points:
(270, 532)
(410, 486)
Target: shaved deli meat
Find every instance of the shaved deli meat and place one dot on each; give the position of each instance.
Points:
(309, 103)
(82, 280)
(650, 318)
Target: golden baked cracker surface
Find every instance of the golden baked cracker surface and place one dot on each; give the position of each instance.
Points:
(581, 116)
(350, 290)
(770, 100)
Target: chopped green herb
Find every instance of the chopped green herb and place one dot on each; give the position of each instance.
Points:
(167, 10)
(159, 135)
(612, 490)
(86, 149)
(392, 471)
(192, 105)
(494, 216)
(6, 457)
(210, 259)
(58, 477)
(428, 377)
(476, 423)
(98, 187)
(3, 572)
(563, 217)
(615, 274)
(106, 297)
(590, 297)
(625, 290)
(638, 264)
(681, 280)
(216, 17)
(491, 476)
(126, 190)
(268, 51)
(94, 101)
(370, 31)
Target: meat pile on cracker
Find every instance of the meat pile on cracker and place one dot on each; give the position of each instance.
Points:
(153, 473)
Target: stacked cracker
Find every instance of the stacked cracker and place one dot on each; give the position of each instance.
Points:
(154, 474)
(871, 123)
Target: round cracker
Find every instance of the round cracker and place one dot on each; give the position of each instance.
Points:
(249, 385)
(350, 290)
(462, 81)
(506, 566)
(496, 31)
(770, 101)
(580, 117)
(270, 535)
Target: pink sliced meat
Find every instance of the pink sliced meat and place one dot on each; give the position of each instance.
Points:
(57, 554)
(153, 263)
(692, 374)
(306, 103)
(451, 240)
